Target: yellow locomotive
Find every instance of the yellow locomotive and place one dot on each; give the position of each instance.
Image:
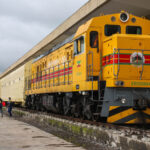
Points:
(102, 72)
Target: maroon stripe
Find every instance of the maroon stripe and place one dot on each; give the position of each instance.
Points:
(147, 56)
(123, 58)
(53, 75)
(147, 61)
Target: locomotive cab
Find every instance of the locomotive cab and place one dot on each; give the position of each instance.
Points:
(117, 57)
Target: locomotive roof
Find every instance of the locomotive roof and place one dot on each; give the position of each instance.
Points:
(94, 22)
(104, 19)
(68, 40)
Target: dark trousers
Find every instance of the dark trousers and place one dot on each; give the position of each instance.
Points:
(10, 112)
(1, 111)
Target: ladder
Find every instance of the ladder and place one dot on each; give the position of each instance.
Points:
(101, 85)
(90, 70)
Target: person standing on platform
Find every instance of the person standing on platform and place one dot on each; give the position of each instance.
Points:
(3, 103)
(10, 107)
(1, 107)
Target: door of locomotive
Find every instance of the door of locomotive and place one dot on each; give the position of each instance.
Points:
(86, 61)
(79, 63)
(94, 51)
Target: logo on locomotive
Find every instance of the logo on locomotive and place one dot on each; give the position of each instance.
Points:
(57, 61)
(137, 59)
(79, 63)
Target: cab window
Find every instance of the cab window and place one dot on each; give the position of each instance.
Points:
(94, 39)
(79, 45)
(112, 29)
(133, 30)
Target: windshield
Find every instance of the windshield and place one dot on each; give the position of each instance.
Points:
(112, 29)
(133, 30)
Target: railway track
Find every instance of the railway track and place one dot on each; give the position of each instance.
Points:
(128, 129)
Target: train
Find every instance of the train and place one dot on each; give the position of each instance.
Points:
(101, 73)
(13, 85)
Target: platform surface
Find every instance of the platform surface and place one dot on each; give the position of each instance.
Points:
(16, 135)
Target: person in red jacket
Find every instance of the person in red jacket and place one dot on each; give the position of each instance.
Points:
(3, 103)
(1, 107)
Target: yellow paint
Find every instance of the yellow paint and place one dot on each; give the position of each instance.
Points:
(127, 71)
(132, 121)
(61, 59)
(128, 112)
(137, 121)
(129, 83)
(147, 111)
(113, 107)
(121, 115)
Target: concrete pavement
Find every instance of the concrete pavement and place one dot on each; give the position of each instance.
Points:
(16, 135)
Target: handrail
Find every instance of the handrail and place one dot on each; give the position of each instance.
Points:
(114, 52)
(118, 69)
(89, 70)
(118, 52)
(68, 72)
(47, 76)
(142, 68)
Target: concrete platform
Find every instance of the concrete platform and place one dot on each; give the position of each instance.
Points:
(16, 135)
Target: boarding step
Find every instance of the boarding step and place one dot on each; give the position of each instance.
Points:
(96, 100)
(96, 114)
(99, 105)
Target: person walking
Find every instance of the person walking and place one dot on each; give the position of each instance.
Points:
(10, 107)
(1, 107)
(3, 103)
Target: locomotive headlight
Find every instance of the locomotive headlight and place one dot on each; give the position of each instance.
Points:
(123, 100)
(84, 93)
(124, 17)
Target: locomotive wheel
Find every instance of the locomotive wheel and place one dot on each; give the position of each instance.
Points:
(33, 107)
(96, 118)
(38, 107)
(77, 109)
(87, 111)
(66, 106)
(43, 109)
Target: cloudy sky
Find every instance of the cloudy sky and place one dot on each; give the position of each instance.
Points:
(23, 23)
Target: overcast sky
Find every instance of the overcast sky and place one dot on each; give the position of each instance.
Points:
(23, 23)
